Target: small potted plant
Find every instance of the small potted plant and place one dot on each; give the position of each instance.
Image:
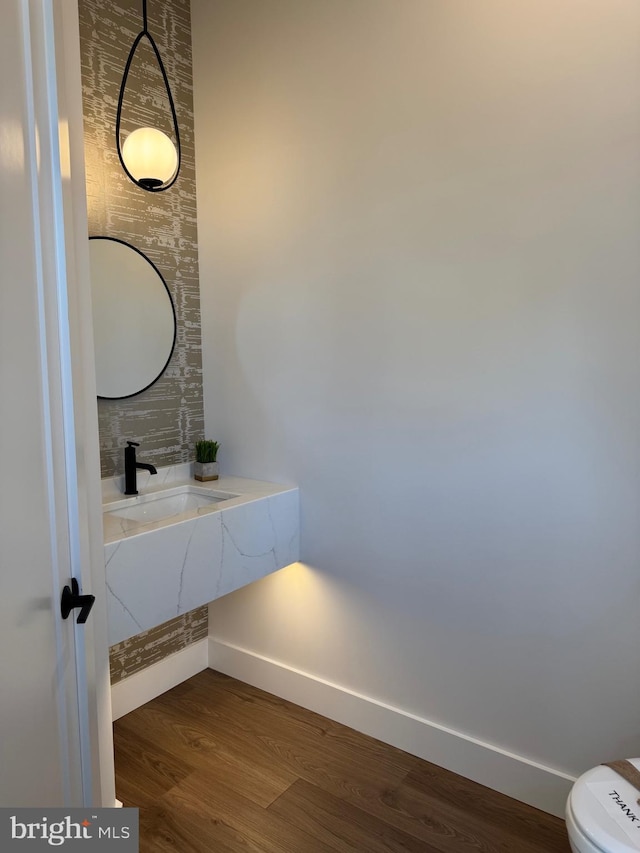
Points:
(206, 466)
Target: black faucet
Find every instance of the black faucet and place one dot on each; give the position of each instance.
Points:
(131, 466)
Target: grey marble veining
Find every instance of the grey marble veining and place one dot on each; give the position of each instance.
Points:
(169, 569)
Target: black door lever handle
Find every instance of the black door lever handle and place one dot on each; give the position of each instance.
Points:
(71, 599)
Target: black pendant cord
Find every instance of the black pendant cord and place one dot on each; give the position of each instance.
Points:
(144, 33)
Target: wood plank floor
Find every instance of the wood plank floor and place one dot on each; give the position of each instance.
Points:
(217, 765)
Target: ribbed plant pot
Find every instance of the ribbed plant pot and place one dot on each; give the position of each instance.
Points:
(204, 471)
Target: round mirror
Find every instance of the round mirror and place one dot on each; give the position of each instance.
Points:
(134, 321)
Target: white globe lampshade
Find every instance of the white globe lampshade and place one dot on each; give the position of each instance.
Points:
(150, 156)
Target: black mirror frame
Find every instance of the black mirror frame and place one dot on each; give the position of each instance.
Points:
(173, 311)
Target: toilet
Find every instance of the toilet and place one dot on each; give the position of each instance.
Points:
(598, 821)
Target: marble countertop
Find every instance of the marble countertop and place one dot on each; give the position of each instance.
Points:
(243, 491)
(162, 569)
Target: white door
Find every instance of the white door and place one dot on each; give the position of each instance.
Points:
(49, 720)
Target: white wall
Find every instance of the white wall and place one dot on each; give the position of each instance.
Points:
(420, 262)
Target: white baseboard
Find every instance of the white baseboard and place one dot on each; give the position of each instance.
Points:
(540, 786)
(132, 692)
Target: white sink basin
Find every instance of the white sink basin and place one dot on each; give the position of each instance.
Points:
(163, 506)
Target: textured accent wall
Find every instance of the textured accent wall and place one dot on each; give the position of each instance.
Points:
(137, 653)
(166, 419)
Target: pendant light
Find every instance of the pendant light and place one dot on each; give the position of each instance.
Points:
(148, 156)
